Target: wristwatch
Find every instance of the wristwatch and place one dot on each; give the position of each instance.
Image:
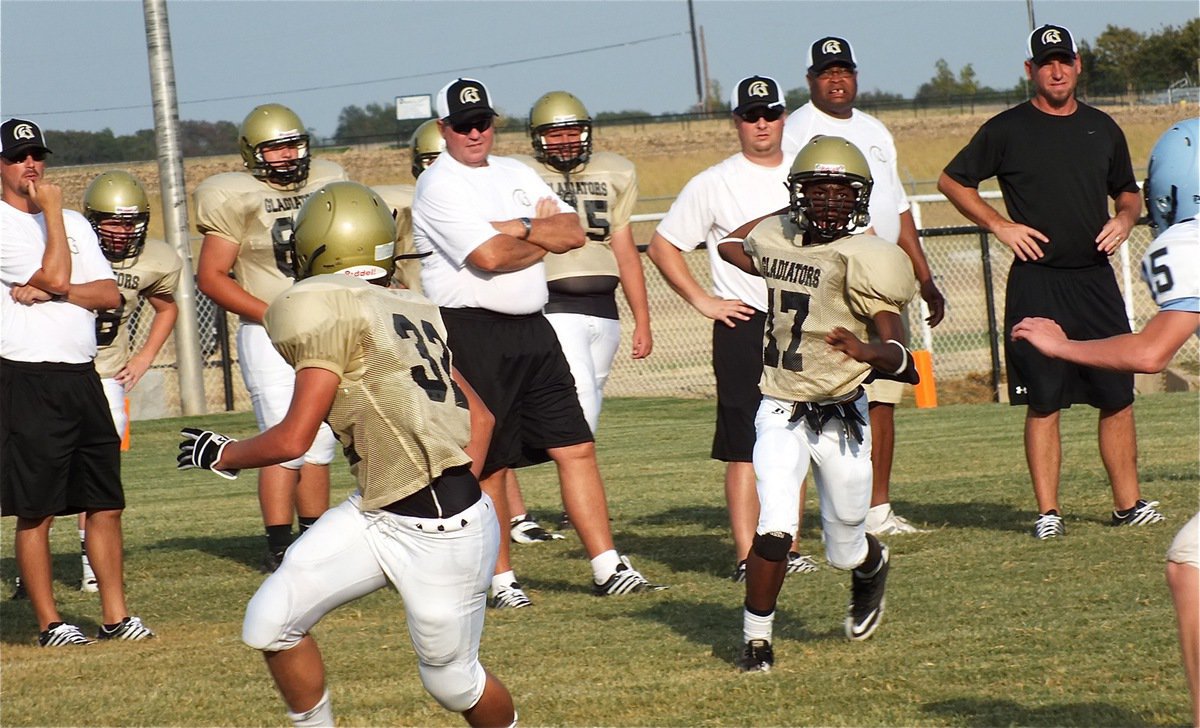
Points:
(528, 226)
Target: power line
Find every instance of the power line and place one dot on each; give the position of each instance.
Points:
(409, 77)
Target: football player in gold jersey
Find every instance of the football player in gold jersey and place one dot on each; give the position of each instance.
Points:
(246, 219)
(603, 188)
(373, 363)
(116, 205)
(824, 286)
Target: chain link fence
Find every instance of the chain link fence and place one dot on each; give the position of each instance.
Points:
(970, 268)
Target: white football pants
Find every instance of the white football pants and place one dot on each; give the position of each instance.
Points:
(590, 344)
(114, 392)
(783, 452)
(442, 569)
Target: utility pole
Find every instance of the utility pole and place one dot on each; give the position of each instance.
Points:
(695, 54)
(174, 202)
(708, 101)
(1029, 10)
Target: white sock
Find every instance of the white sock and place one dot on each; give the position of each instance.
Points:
(755, 627)
(88, 574)
(503, 581)
(318, 716)
(605, 565)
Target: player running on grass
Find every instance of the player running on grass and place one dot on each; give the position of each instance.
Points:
(823, 287)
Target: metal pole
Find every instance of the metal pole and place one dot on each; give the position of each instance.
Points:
(1029, 10)
(174, 199)
(695, 55)
(993, 328)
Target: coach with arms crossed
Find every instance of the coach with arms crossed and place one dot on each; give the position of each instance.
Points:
(487, 223)
(1058, 161)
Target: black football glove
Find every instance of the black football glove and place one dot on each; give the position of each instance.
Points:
(201, 449)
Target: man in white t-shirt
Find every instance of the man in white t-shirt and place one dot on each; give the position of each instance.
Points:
(833, 85)
(714, 203)
(486, 223)
(60, 451)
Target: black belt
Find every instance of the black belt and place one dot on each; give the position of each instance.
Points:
(817, 415)
(454, 491)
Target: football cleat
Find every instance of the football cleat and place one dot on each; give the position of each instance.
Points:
(89, 585)
(509, 597)
(867, 600)
(801, 563)
(18, 590)
(61, 635)
(739, 572)
(1049, 525)
(757, 656)
(1142, 514)
(271, 561)
(130, 629)
(625, 580)
(526, 530)
(883, 521)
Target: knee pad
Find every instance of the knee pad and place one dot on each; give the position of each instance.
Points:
(773, 546)
(263, 627)
(457, 686)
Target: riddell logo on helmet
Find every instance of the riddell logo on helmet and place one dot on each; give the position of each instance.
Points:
(831, 47)
(469, 95)
(758, 88)
(24, 131)
(830, 168)
(363, 271)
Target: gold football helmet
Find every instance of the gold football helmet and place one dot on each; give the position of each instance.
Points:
(345, 227)
(829, 159)
(559, 110)
(118, 196)
(274, 126)
(427, 143)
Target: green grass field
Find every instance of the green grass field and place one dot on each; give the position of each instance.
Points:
(985, 625)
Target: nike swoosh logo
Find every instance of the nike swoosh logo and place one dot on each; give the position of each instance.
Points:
(1093, 131)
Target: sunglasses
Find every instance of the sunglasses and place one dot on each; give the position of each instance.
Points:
(466, 127)
(18, 157)
(753, 115)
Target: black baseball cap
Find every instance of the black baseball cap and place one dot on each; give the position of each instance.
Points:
(756, 92)
(20, 135)
(464, 99)
(1049, 41)
(829, 51)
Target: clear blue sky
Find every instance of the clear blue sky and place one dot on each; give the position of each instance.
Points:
(82, 65)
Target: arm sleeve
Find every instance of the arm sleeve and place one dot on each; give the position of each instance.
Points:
(627, 197)
(314, 329)
(218, 214)
(977, 161)
(879, 279)
(443, 212)
(166, 285)
(690, 218)
(1120, 170)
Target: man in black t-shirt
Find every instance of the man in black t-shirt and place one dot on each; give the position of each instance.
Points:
(1058, 161)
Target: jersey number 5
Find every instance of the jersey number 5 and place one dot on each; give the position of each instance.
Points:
(789, 301)
(1158, 274)
(436, 381)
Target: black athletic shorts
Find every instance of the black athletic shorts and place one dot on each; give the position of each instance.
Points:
(737, 363)
(59, 450)
(517, 366)
(1088, 305)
